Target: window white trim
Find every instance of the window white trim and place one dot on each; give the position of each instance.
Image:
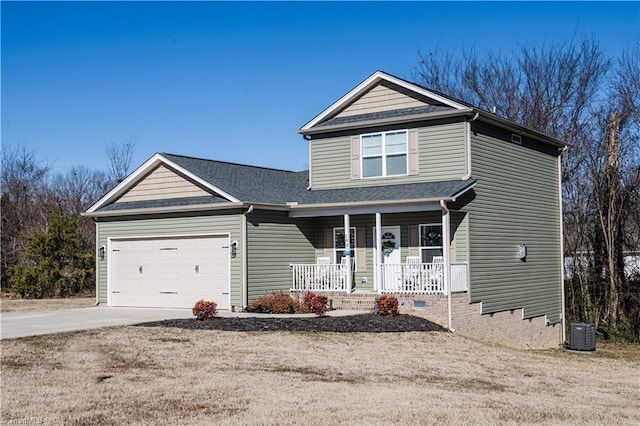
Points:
(384, 155)
(441, 247)
(353, 246)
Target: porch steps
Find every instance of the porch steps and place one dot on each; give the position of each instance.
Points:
(356, 301)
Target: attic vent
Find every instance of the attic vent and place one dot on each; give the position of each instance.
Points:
(583, 337)
(516, 138)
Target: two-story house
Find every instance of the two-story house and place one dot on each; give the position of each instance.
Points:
(454, 210)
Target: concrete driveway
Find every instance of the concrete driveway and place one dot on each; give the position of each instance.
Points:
(22, 324)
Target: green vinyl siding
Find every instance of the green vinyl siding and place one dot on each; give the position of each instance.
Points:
(441, 150)
(227, 223)
(274, 242)
(516, 202)
(366, 224)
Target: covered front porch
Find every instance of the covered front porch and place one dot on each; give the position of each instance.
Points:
(415, 249)
(393, 278)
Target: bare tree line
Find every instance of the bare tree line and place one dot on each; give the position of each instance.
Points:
(32, 196)
(572, 91)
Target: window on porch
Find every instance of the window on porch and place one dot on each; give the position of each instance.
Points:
(430, 241)
(339, 244)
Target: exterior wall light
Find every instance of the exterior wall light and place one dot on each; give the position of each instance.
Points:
(522, 252)
(102, 252)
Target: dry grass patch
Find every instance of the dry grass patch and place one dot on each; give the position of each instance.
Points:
(33, 305)
(174, 376)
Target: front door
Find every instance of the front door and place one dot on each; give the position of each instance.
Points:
(390, 252)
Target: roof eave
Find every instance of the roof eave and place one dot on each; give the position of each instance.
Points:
(295, 206)
(162, 210)
(137, 175)
(369, 82)
(389, 121)
(185, 208)
(517, 128)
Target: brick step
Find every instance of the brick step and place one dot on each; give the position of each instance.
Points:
(353, 302)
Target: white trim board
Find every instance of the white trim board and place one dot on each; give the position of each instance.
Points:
(147, 166)
(367, 84)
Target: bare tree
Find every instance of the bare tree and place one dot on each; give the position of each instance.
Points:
(572, 92)
(75, 191)
(23, 201)
(119, 157)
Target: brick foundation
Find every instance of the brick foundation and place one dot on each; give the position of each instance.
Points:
(506, 328)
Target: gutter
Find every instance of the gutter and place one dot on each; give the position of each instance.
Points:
(469, 112)
(183, 208)
(515, 128)
(447, 262)
(387, 121)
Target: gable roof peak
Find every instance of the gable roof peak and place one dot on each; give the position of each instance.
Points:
(374, 79)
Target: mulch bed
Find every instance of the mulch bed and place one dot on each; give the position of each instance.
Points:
(364, 323)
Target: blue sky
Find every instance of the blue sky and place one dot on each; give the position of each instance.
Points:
(234, 81)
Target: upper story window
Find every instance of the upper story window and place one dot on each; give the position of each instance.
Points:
(384, 154)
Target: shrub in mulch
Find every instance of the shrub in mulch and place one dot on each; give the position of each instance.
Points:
(316, 303)
(204, 309)
(363, 323)
(388, 305)
(277, 303)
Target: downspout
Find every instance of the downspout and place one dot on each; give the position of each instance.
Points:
(446, 230)
(468, 141)
(245, 284)
(562, 275)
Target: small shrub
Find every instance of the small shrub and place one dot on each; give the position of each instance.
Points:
(277, 303)
(388, 305)
(317, 303)
(205, 309)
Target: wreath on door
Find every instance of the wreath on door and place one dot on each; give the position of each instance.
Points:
(388, 243)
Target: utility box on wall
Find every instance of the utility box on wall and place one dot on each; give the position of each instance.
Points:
(582, 337)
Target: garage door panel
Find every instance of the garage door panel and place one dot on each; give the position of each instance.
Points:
(170, 272)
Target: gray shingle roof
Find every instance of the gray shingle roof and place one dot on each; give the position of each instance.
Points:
(251, 184)
(381, 115)
(244, 182)
(402, 192)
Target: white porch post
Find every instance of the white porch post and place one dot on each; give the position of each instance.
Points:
(377, 273)
(446, 247)
(347, 248)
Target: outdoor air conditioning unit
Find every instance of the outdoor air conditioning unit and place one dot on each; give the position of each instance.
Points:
(583, 337)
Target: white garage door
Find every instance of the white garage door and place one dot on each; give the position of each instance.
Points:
(169, 272)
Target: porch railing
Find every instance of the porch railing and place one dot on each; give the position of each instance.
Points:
(315, 277)
(459, 277)
(395, 278)
(422, 278)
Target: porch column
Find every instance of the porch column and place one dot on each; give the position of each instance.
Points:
(446, 247)
(347, 249)
(377, 273)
